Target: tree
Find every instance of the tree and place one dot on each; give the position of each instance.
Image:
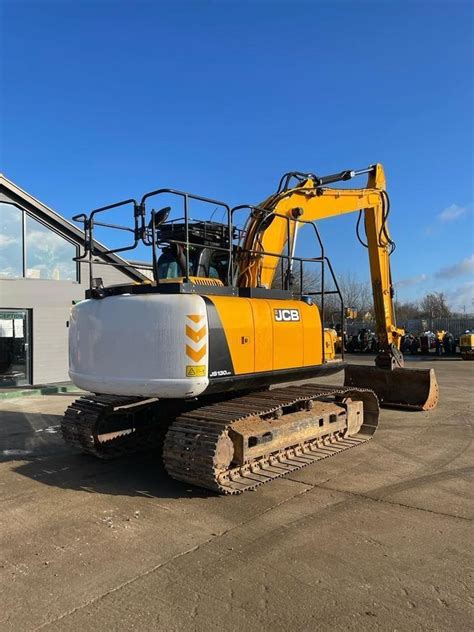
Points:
(435, 306)
(406, 311)
(311, 280)
(355, 294)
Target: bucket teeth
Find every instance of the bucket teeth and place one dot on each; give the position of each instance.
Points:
(413, 389)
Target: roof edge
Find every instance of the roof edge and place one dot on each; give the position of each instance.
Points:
(12, 187)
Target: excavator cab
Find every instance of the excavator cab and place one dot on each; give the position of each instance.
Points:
(203, 264)
(207, 248)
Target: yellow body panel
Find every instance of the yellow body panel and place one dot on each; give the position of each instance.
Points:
(193, 279)
(236, 317)
(330, 342)
(263, 334)
(270, 335)
(288, 336)
(312, 342)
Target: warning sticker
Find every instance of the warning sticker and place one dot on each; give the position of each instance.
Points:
(197, 370)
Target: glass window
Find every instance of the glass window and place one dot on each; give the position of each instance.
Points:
(11, 243)
(218, 266)
(167, 266)
(48, 256)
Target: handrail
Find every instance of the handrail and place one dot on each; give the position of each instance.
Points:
(147, 234)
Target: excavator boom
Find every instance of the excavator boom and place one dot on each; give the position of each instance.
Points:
(270, 228)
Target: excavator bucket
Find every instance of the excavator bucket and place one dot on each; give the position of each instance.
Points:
(414, 389)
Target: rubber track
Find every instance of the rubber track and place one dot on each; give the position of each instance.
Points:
(191, 442)
(80, 423)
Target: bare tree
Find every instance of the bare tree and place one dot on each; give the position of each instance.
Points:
(435, 306)
(311, 281)
(406, 311)
(356, 294)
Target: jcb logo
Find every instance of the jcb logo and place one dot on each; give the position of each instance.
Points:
(287, 315)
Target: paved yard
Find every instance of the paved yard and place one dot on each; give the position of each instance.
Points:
(377, 538)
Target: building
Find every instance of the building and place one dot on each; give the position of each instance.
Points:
(39, 281)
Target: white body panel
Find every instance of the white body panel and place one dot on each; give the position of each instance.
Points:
(140, 345)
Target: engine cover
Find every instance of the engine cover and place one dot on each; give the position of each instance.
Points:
(150, 345)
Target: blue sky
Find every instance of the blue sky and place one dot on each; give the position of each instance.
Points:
(106, 100)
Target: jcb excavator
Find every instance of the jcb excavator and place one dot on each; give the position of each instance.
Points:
(186, 359)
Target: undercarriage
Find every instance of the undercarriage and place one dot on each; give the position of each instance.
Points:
(232, 445)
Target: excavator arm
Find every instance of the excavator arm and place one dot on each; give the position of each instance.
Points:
(271, 231)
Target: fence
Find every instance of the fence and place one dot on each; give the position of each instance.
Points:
(456, 326)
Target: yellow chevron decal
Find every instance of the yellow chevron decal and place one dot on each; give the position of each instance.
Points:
(196, 317)
(195, 336)
(196, 355)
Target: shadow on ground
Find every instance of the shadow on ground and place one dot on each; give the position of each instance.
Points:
(137, 475)
(35, 441)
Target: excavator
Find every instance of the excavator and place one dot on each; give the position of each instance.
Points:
(194, 359)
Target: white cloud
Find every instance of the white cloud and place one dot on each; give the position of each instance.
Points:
(451, 213)
(411, 281)
(458, 269)
(461, 298)
(7, 240)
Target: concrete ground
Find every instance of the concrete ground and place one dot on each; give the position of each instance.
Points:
(377, 538)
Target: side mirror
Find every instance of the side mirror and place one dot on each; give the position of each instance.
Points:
(158, 217)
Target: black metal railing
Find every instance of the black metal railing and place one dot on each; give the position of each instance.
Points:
(231, 243)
